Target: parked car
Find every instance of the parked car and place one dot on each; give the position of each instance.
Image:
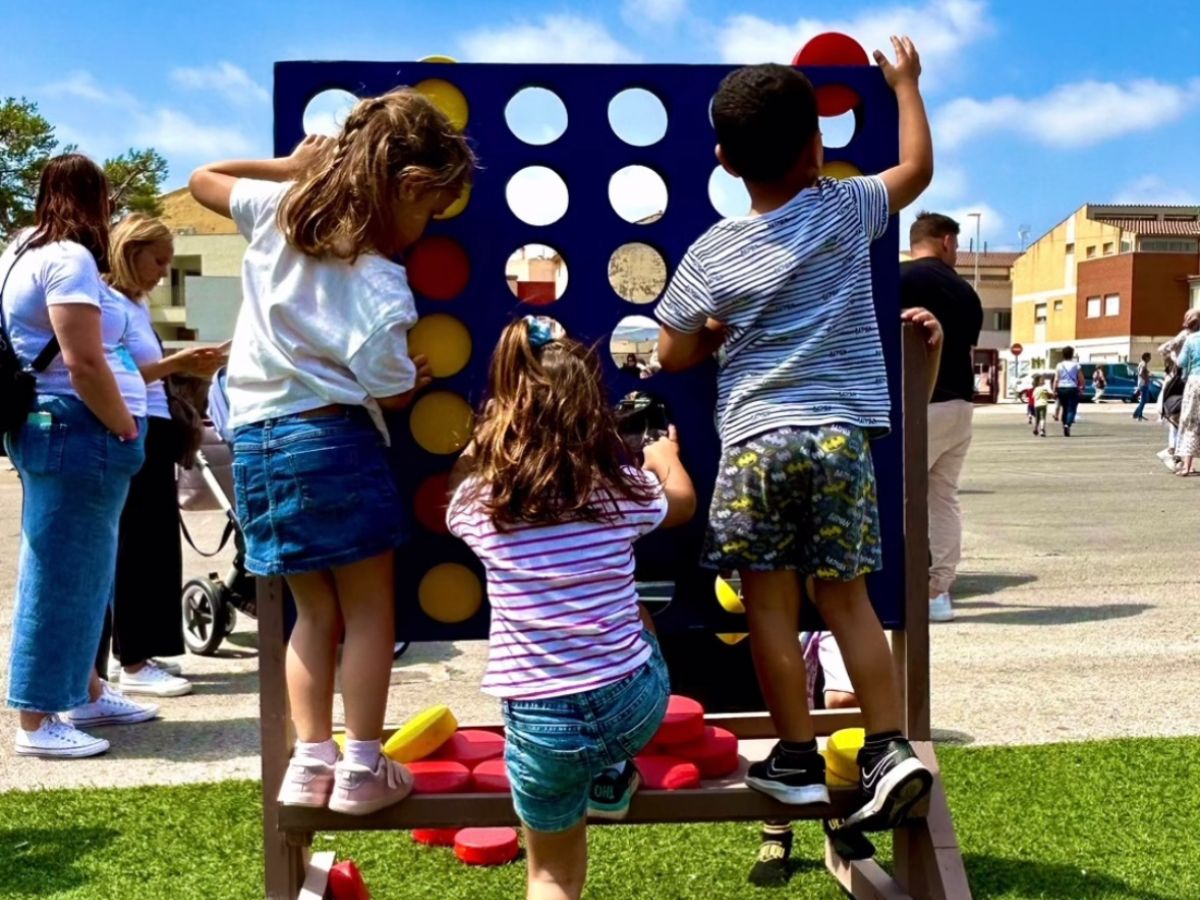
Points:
(1122, 382)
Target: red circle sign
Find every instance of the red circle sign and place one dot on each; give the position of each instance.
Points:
(1016, 349)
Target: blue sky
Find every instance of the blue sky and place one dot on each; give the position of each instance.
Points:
(1038, 107)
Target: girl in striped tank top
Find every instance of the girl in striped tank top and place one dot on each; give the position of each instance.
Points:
(546, 498)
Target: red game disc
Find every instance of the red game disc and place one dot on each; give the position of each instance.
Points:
(471, 746)
(715, 753)
(668, 773)
(438, 267)
(431, 500)
(346, 882)
(435, 837)
(833, 49)
(486, 846)
(490, 777)
(683, 722)
(439, 776)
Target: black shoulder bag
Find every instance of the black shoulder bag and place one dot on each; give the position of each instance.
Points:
(18, 384)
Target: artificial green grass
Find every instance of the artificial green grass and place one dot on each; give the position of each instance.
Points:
(1114, 819)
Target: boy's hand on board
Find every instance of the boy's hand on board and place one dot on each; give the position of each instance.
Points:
(906, 69)
(927, 322)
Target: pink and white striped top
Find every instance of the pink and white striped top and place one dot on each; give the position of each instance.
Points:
(564, 608)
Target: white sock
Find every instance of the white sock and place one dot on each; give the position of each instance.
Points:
(325, 751)
(365, 753)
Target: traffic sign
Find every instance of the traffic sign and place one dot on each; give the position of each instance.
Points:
(1016, 349)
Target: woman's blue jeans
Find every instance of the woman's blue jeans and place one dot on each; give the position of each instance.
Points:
(75, 475)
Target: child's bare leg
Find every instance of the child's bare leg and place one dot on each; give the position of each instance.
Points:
(557, 862)
(773, 616)
(846, 609)
(312, 655)
(366, 592)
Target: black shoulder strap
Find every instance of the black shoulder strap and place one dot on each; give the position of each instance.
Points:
(51, 349)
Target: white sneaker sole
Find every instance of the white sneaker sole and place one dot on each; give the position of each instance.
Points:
(151, 690)
(899, 791)
(94, 749)
(808, 795)
(941, 617)
(366, 807)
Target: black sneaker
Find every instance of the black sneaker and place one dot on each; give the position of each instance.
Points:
(797, 779)
(891, 783)
(611, 792)
(848, 842)
(772, 868)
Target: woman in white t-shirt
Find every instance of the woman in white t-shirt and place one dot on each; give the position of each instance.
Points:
(145, 613)
(76, 454)
(1068, 385)
(320, 349)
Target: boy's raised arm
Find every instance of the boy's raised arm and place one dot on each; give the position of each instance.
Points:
(906, 181)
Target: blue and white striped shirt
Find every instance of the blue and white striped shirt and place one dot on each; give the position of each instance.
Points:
(793, 287)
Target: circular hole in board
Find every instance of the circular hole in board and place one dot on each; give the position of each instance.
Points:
(441, 422)
(536, 274)
(637, 272)
(728, 194)
(326, 112)
(537, 195)
(450, 593)
(638, 194)
(430, 502)
(438, 267)
(634, 347)
(536, 115)
(638, 117)
(444, 341)
(448, 99)
(838, 131)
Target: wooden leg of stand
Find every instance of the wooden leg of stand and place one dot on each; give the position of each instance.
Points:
(284, 860)
(929, 862)
(864, 879)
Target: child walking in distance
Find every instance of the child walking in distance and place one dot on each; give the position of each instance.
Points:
(320, 350)
(1042, 395)
(546, 499)
(802, 389)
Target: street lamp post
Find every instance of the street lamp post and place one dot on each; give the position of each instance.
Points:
(978, 217)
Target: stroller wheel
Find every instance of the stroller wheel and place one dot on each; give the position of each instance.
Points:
(230, 618)
(205, 616)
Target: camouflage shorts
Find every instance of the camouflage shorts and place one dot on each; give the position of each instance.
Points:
(797, 498)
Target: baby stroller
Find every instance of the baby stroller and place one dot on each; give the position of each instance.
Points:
(210, 605)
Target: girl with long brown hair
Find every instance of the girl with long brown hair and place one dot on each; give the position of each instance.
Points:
(319, 351)
(75, 453)
(547, 499)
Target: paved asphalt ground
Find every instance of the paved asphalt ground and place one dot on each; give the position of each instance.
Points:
(1078, 617)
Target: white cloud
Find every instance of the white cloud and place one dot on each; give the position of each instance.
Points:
(940, 30)
(1072, 115)
(647, 13)
(552, 39)
(225, 78)
(994, 229)
(82, 85)
(1156, 189)
(174, 133)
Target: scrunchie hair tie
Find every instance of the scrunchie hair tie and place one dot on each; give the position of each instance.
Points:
(543, 330)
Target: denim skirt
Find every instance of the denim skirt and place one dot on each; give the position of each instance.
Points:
(315, 492)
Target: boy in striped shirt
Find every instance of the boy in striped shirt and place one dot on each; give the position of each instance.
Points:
(786, 293)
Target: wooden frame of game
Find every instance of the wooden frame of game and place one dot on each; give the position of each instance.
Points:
(927, 860)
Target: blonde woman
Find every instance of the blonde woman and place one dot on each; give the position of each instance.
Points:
(145, 614)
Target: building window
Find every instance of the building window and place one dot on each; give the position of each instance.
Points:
(1093, 307)
(1108, 248)
(1112, 304)
(1163, 245)
(1058, 306)
(1071, 247)
(1039, 314)
(1001, 320)
(1091, 251)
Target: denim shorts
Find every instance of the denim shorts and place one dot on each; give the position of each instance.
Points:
(314, 492)
(556, 746)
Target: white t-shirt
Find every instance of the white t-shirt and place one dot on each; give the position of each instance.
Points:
(144, 347)
(564, 607)
(312, 332)
(60, 273)
(1068, 373)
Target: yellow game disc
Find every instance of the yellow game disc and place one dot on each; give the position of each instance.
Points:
(728, 597)
(450, 593)
(833, 779)
(437, 59)
(839, 170)
(444, 341)
(421, 735)
(339, 738)
(448, 99)
(442, 422)
(458, 205)
(731, 638)
(841, 752)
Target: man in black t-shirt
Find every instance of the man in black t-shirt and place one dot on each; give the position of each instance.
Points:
(929, 280)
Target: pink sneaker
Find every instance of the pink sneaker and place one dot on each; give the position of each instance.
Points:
(307, 782)
(358, 790)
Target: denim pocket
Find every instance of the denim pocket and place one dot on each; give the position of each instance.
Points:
(639, 712)
(549, 728)
(326, 479)
(40, 447)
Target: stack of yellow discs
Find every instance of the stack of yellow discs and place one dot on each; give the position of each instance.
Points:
(841, 754)
(422, 734)
(832, 778)
(728, 598)
(732, 638)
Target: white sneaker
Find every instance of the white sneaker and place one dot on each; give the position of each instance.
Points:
(171, 668)
(112, 708)
(940, 609)
(153, 681)
(1164, 453)
(56, 739)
